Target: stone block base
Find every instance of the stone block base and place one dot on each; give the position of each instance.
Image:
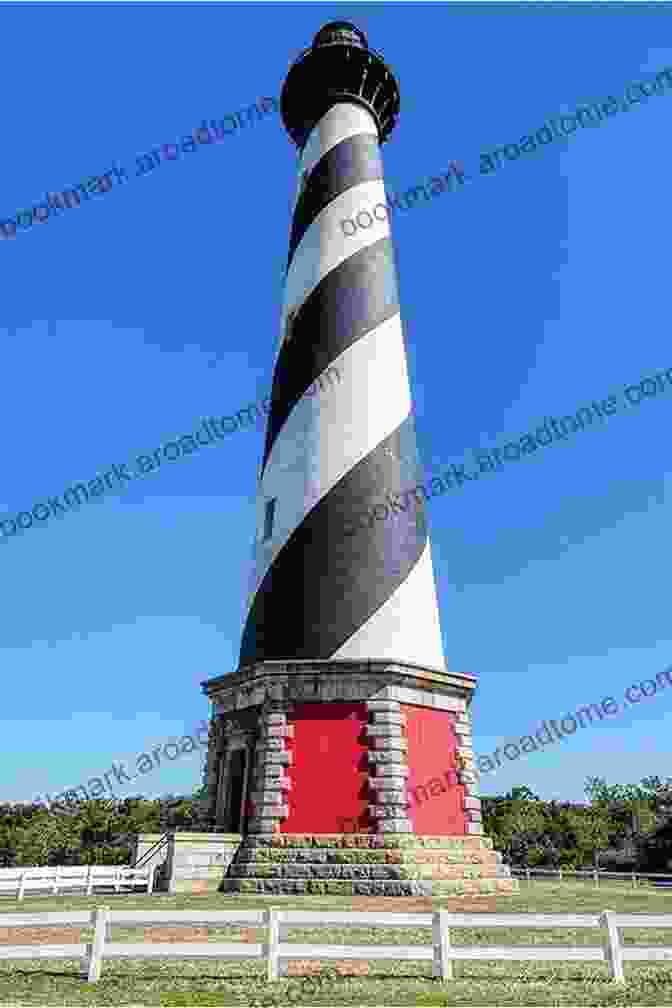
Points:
(367, 865)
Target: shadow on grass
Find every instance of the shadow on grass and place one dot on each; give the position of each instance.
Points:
(59, 974)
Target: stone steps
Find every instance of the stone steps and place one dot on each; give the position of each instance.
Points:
(321, 871)
(363, 857)
(371, 887)
(333, 870)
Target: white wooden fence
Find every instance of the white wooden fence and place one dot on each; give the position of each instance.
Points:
(567, 873)
(22, 881)
(276, 953)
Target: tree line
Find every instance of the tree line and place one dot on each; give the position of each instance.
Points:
(620, 828)
(98, 831)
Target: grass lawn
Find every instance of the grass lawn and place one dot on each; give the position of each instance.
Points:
(208, 982)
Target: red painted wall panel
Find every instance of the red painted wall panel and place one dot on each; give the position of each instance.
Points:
(436, 803)
(330, 771)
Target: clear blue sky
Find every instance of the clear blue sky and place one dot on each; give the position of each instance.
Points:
(530, 293)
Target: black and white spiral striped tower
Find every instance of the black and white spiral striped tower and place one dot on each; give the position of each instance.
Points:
(340, 433)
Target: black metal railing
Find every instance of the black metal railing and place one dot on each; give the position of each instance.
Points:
(154, 849)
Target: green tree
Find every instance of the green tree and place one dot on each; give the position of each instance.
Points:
(591, 828)
(44, 836)
(516, 826)
(521, 793)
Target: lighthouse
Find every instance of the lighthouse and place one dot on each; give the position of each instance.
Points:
(342, 725)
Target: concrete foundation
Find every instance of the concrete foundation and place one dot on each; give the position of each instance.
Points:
(189, 862)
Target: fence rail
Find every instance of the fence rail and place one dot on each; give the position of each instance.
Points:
(20, 882)
(595, 875)
(277, 953)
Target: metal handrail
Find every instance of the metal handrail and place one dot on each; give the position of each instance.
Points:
(159, 843)
(326, 45)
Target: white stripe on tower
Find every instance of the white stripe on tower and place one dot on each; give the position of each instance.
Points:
(320, 590)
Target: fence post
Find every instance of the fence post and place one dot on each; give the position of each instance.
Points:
(117, 879)
(100, 919)
(527, 872)
(442, 965)
(150, 880)
(22, 882)
(634, 881)
(560, 874)
(272, 922)
(54, 889)
(89, 881)
(596, 879)
(613, 952)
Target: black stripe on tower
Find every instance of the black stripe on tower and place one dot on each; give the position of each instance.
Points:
(325, 584)
(349, 302)
(348, 164)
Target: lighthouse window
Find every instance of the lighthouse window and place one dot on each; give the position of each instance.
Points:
(268, 518)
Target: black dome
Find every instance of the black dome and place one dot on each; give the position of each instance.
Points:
(340, 31)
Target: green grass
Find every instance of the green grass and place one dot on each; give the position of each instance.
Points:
(208, 982)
